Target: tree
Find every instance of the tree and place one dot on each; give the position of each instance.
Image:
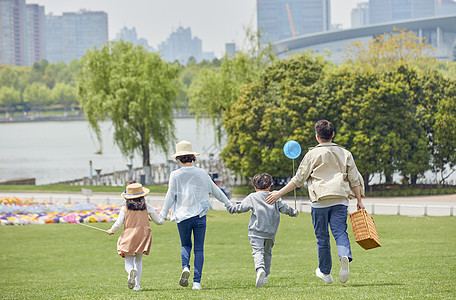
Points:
(9, 97)
(65, 94)
(375, 117)
(136, 90)
(36, 96)
(213, 92)
(403, 61)
(386, 50)
(443, 134)
(281, 106)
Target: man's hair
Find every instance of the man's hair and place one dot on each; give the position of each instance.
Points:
(262, 181)
(324, 130)
(186, 158)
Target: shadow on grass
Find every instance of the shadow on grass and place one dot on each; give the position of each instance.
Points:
(204, 289)
(375, 284)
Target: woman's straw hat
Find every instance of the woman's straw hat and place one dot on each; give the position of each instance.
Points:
(135, 190)
(184, 148)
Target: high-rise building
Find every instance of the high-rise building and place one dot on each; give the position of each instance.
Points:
(70, 35)
(21, 33)
(129, 35)
(446, 7)
(230, 49)
(384, 11)
(35, 41)
(180, 46)
(360, 15)
(283, 19)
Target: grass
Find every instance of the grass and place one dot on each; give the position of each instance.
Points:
(154, 189)
(67, 261)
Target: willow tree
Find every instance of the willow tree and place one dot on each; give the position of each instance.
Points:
(135, 90)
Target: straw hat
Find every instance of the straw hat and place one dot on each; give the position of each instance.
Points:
(135, 190)
(184, 148)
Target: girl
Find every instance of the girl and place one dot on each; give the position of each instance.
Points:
(136, 237)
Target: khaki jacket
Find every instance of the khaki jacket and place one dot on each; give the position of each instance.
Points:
(330, 172)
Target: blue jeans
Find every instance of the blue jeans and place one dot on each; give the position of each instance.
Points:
(196, 225)
(336, 218)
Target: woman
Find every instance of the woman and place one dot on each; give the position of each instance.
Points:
(188, 195)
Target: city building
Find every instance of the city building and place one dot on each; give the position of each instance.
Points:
(209, 56)
(230, 49)
(22, 37)
(383, 11)
(446, 7)
(440, 32)
(360, 15)
(283, 19)
(70, 35)
(129, 35)
(181, 46)
(35, 40)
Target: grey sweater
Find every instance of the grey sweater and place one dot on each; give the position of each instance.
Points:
(265, 218)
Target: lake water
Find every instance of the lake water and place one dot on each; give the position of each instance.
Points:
(58, 151)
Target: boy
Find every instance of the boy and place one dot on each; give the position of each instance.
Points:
(263, 224)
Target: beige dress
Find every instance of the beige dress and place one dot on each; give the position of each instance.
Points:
(136, 237)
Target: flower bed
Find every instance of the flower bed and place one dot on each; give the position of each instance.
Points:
(14, 211)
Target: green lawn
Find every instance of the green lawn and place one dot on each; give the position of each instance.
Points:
(68, 261)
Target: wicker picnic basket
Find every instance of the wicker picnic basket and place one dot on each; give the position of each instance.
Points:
(364, 229)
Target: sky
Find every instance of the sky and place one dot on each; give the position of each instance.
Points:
(215, 22)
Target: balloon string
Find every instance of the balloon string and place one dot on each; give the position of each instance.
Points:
(292, 177)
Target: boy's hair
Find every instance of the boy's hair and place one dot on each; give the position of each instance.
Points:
(324, 129)
(136, 203)
(262, 181)
(186, 158)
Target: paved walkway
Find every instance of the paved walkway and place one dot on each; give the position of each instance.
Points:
(437, 205)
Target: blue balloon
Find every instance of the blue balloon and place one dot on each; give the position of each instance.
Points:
(292, 149)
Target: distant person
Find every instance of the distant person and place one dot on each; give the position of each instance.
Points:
(188, 195)
(219, 182)
(263, 225)
(136, 237)
(331, 174)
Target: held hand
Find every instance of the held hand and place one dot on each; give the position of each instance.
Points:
(272, 197)
(360, 205)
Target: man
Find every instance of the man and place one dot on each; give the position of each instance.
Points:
(331, 174)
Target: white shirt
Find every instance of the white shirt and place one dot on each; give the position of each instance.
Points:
(121, 218)
(188, 194)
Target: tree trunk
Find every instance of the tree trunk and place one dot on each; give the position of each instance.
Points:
(148, 180)
(388, 178)
(413, 179)
(366, 182)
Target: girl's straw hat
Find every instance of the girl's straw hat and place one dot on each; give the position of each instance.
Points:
(184, 148)
(135, 190)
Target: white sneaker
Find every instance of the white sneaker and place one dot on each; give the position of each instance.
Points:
(137, 288)
(184, 277)
(344, 270)
(326, 278)
(260, 278)
(265, 280)
(196, 286)
(132, 279)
